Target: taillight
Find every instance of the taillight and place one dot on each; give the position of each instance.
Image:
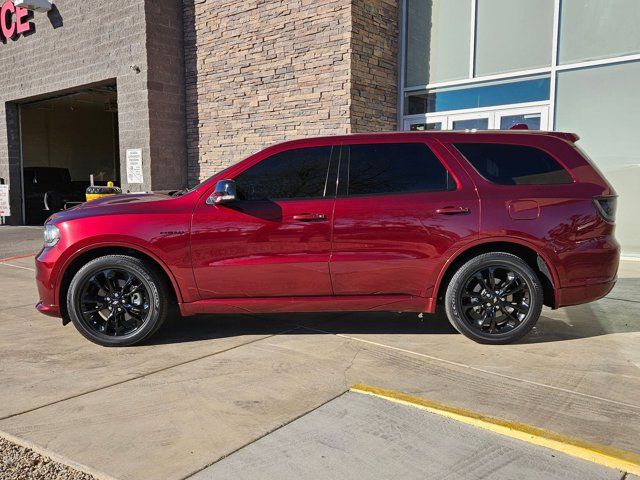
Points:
(606, 207)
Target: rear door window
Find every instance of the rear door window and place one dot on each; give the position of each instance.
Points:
(298, 173)
(506, 164)
(380, 168)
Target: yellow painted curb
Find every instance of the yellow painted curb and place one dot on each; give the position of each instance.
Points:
(609, 457)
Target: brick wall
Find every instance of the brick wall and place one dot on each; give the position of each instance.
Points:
(262, 72)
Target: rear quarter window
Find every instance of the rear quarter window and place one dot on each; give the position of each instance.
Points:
(505, 164)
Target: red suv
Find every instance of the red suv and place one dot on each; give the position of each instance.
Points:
(487, 225)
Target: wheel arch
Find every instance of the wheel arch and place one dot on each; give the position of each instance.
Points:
(539, 262)
(82, 257)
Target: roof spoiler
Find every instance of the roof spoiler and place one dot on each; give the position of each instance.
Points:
(570, 137)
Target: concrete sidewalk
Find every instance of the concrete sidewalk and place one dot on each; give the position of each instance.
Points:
(357, 436)
(207, 387)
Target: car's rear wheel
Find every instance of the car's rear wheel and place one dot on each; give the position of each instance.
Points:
(117, 300)
(494, 298)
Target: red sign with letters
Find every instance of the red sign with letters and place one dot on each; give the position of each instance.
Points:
(14, 22)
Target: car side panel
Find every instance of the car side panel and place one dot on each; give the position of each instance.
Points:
(398, 243)
(559, 220)
(159, 230)
(259, 249)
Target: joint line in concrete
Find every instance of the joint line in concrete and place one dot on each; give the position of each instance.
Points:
(148, 374)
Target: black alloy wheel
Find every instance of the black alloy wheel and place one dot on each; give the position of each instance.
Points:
(494, 298)
(114, 302)
(118, 300)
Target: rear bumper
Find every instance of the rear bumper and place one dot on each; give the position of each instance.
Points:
(588, 271)
(583, 294)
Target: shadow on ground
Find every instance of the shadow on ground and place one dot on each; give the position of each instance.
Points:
(205, 327)
(607, 316)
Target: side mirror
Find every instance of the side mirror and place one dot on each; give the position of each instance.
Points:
(224, 192)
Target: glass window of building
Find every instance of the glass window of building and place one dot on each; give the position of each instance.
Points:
(476, 96)
(602, 105)
(513, 35)
(594, 29)
(438, 38)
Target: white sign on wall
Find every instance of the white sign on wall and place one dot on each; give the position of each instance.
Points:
(5, 210)
(134, 166)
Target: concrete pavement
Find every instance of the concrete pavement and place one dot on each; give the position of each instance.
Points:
(356, 436)
(15, 241)
(208, 387)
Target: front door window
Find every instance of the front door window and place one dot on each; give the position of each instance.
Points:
(292, 174)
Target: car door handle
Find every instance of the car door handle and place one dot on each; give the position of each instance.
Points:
(452, 211)
(310, 217)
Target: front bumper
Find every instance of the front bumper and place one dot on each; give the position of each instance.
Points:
(50, 310)
(46, 280)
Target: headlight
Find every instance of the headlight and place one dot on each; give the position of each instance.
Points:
(51, 235)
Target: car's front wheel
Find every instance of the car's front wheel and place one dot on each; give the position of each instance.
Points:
(117, 300)
(494, 298)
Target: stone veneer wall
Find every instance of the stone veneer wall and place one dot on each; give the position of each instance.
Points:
(374, 66)
(263, 72)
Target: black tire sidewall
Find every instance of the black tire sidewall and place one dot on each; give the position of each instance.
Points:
(132, 265)
(498, 259)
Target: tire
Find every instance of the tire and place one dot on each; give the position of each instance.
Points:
(488, 314)
(118, 301)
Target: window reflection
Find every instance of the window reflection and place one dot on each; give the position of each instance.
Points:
(486, 95)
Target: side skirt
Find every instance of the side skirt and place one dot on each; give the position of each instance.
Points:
(352, 303)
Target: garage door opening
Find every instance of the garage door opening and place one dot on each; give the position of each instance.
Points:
(66, 139)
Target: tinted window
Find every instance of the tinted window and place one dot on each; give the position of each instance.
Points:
(300, 173)
(514, 164)
(395, 168)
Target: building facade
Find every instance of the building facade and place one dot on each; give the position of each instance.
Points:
(567, 65)
(181, 89)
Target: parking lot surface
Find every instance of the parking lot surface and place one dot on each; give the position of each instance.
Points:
(356, 436)
(16, 241)
(208, 389)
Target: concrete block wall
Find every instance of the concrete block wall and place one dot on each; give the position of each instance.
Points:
(90, 42)
(10, 158)
(166, 87)
(96, 41)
